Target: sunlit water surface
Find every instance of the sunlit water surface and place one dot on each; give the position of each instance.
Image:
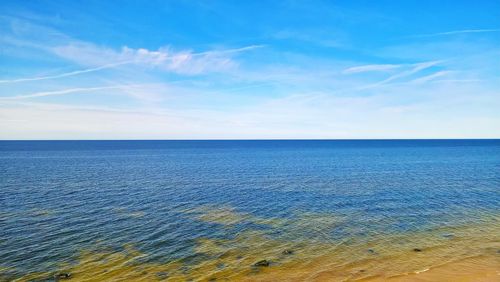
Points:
(210, 210)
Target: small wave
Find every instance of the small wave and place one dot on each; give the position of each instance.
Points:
(423, 270)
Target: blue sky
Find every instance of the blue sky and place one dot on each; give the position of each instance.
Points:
(249, 69)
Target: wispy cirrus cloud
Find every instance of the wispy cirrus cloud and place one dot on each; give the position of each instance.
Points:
(408, 71)
(184, 62)
(431, 77)
(370, 68)
(66, 74)
(453, 32)
(25, 34)
(415, 68)
(65, 92)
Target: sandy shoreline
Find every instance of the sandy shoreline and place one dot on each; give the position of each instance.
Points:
(473, 269)
(116, 267)
(477, 269)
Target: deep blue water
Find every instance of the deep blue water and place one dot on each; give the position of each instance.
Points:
(58, 197)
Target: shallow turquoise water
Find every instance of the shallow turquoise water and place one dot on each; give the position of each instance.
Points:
(60, 197)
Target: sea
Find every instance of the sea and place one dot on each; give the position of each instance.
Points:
(246, 210)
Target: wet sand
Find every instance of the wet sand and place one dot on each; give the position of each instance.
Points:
(479, 269)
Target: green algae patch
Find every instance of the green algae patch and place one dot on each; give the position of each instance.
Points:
(223, 215)
(127, 213)
(41, 212)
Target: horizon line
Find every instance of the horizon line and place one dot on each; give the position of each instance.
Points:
(263, 139)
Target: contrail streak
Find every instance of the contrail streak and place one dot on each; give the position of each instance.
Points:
(66, 91)
(108, 66)
(454, 32)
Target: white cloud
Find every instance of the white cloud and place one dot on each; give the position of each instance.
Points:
(183, 62)
(100, 58)
(414, 68)
(370, 68)
(431, 77)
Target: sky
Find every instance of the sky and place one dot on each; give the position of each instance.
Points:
(249, 69)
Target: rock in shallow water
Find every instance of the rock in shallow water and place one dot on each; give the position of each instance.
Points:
(60, 276)
(261, 263)
(162, 275)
